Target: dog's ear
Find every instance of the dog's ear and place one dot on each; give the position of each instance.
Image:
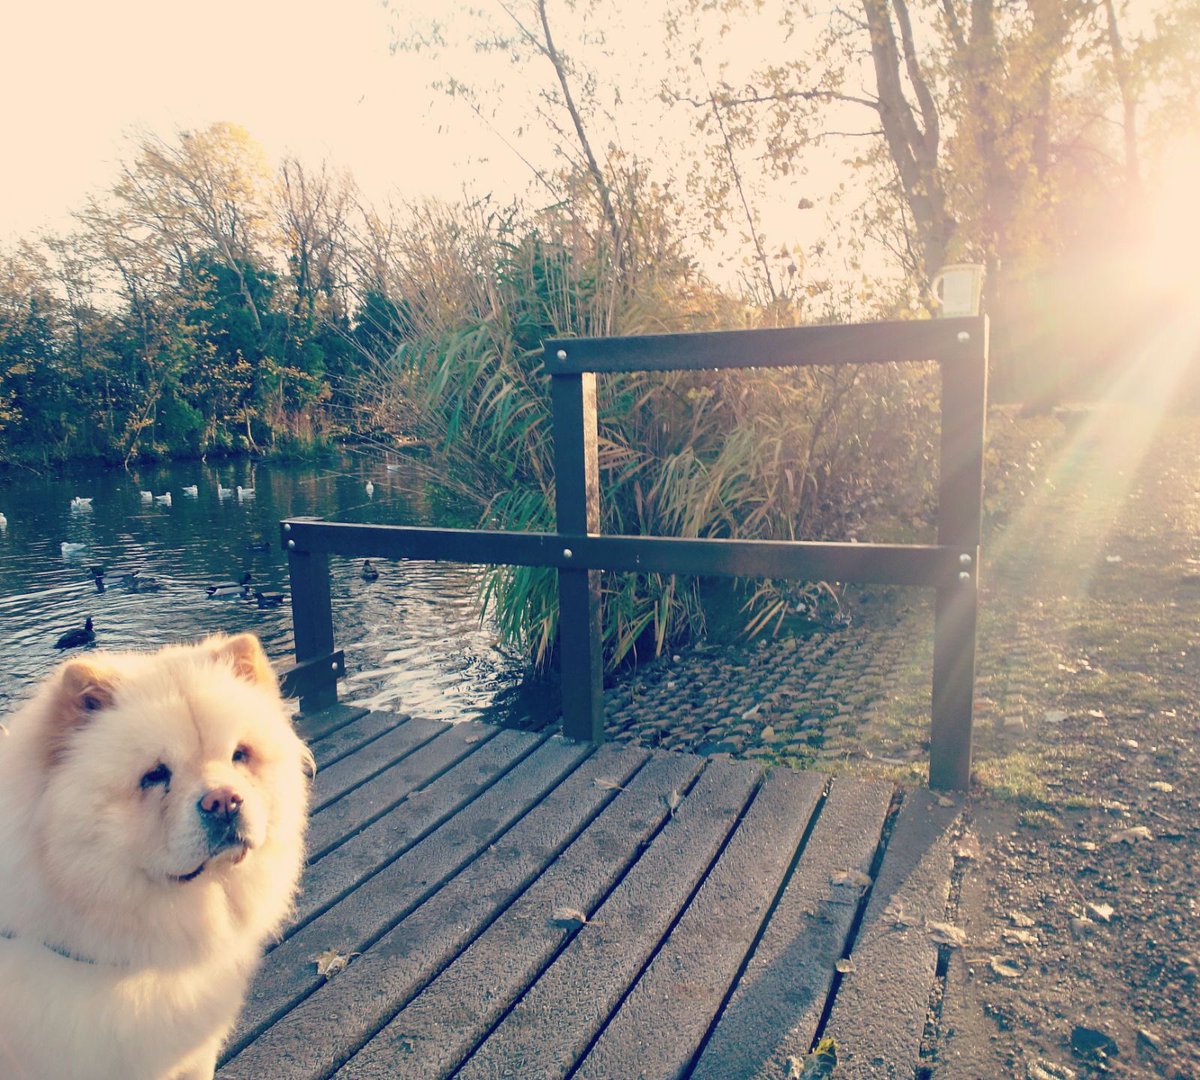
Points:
(85, 686)
(246, 655)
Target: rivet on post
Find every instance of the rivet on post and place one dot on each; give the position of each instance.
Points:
(334, 665)
(964, 576)
(291, 543)
(287, 526)
(561, 354)
(965, 559)
(568, 553)
(963, 337)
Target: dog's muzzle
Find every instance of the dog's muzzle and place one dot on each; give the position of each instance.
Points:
(220, 814)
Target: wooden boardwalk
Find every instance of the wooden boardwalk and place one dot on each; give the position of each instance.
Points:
(516, 905)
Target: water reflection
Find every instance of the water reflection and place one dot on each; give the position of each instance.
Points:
(412, 638)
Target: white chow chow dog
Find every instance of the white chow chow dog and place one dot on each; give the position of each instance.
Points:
(152, 814)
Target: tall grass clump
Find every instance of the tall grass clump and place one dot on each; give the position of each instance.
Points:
(792, 454)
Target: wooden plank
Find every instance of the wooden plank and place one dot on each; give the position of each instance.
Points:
(318, 723)
(344, 817)
(549, 1029)
(327, 1028)
(777, 1004)
(879, 1013)
(288, 974)
(660, 1025)
(347, 738)
(796, 346)
(416, 813)
(373, 758)
(441, 1026)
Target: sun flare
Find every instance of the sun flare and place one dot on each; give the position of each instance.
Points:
(1173, 219)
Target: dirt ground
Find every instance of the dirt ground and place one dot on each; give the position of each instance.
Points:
(1076, 880)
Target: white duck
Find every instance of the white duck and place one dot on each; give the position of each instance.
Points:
(192, 489)
(164, 499)
(244, 493)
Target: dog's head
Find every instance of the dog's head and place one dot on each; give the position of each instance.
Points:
(174, 788)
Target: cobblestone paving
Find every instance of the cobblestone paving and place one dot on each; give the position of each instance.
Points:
(820, 698)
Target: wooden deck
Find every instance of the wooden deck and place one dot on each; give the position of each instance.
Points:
(455, 866)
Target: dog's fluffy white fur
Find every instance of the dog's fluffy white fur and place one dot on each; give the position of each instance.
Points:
(152, 813)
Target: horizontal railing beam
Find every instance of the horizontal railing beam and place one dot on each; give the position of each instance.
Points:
(936, 566)
(943, 340)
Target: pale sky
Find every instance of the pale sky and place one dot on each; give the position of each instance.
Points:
(317, 78)
(313, 78)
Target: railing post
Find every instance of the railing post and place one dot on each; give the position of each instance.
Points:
(312, 619)
(960, 512)
(577, 509)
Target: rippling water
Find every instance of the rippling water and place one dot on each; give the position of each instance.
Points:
(413, 639)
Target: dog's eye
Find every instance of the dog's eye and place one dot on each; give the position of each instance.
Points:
(160, 774)
(241, 754)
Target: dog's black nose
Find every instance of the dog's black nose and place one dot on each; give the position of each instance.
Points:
(219, 810)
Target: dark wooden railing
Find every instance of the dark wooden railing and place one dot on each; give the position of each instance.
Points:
(579, 553)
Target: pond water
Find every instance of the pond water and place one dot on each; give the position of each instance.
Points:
(413, 638)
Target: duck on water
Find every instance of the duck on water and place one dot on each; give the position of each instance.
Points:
(75, 639)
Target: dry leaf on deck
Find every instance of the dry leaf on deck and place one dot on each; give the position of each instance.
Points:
(946, 934)
(851, 877)
(569, 915)
(844, 964)
(331, 962)
(608, 785)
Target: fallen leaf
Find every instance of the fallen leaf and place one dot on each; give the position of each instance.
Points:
(673, 801)
(1055, 716)
(851, 877)
(1019, 937)
(1131, 835)
(1112, 558)
(767, 733)
(752, 711)
(1006, 969)
(895, 912)
(1021, 919)
(819, 1065)
(331, 962)
(1160, 785)
(608, 785)
(471, 739)
(569, 915)
(946, 934)
(1103, 912)
(945, 800)
(844, 964)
